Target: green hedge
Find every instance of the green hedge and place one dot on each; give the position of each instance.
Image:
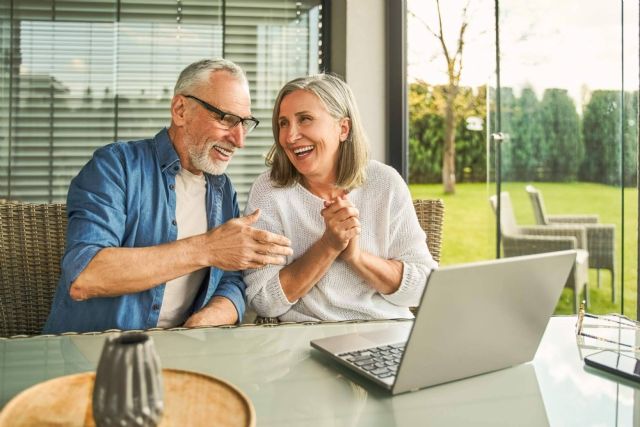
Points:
(548, 139)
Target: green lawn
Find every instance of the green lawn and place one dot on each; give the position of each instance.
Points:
(469, 229)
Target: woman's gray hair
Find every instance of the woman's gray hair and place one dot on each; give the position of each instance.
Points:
(198, 73)
(337, 98)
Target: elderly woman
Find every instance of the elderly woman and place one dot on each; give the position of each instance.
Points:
(358, 249)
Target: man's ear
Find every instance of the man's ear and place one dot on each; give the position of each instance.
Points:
(345, 127)
(178, 110)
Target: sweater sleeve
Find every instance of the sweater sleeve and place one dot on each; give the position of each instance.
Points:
(264, 291)
(407, 243)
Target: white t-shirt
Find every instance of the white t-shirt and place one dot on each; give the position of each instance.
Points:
(191, 218)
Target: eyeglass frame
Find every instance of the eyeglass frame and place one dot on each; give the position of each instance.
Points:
(223, 114)
(579, 327)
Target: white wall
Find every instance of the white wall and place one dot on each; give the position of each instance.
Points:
(358, 53)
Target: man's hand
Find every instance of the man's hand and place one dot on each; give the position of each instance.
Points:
(341, 223)
(219, 311)
(235, 245)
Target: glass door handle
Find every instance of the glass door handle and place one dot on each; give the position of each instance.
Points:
(500, 137)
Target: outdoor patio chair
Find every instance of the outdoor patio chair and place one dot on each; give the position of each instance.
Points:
(32, 239)
(518, 240)
(430, 214)
(600, 237)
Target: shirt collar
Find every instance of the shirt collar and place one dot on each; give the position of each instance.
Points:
(167, 155)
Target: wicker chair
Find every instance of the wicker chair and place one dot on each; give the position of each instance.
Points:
(517, 240)
(32, 239)
(600, 237)
(430, 214)
(431, 217)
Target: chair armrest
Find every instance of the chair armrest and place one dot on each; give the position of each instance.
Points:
(573, 219)
(577, 231)
(527, 245)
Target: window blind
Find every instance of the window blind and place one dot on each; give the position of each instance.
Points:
(77, 75)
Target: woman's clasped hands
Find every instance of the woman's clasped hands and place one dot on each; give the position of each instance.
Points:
(342, 227)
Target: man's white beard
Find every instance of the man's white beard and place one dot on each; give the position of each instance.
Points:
(202, 160)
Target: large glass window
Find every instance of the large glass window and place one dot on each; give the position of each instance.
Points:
(543, 97)
(77, 75)
(447, 80)
(568, 98)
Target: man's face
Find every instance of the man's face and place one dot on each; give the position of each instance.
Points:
(209, 141)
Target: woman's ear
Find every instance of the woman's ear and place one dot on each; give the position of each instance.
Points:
(178, 110)
(345, 128)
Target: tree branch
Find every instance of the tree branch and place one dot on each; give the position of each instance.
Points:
(433, 33)
(441, 38)
(457, 59)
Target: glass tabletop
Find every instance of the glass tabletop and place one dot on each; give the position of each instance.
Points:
(291, 384)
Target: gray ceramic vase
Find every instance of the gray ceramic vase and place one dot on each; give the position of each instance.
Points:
(128, 386)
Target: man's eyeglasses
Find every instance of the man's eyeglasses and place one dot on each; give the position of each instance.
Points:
(228, 120)
(610, 325)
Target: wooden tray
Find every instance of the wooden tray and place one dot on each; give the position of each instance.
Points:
(190, 398)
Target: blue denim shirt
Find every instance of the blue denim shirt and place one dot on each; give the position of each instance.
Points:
(125, 197)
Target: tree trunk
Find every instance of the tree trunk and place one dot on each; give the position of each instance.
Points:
(449, 152)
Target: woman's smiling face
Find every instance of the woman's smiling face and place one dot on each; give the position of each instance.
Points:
(310, 136)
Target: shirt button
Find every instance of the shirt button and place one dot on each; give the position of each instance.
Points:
(172, 187)
(176, 168)
(174, 222)
(155, 307)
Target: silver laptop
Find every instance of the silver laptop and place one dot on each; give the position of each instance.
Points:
(473, 318)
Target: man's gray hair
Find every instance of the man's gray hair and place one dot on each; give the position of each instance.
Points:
(198, 73)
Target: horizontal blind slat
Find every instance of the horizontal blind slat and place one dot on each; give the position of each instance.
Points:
(79, 62)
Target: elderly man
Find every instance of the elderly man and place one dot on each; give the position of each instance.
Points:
(154, 235)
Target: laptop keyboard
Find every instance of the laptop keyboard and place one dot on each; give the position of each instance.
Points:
(381, 362)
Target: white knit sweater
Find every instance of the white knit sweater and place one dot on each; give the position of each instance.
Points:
(390, 229)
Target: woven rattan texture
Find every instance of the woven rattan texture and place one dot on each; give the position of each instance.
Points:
(32, 239)
(431, 217)
(600, 237)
